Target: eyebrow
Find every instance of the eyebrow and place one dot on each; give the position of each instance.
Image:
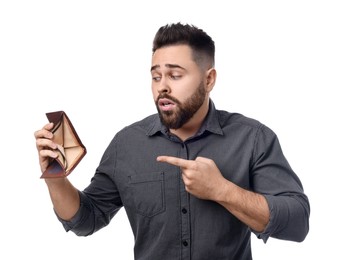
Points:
(171, 66)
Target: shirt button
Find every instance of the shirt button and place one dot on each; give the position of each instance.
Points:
(184, 211)
(185, 243)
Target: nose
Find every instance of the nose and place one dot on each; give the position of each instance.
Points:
(163, 86)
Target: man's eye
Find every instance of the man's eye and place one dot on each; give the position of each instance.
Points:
(175, 77)
(156, 78)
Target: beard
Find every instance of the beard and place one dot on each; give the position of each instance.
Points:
(184, 111)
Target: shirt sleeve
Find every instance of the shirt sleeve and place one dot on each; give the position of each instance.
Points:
(82, 221)
(99, 202)
(273, 177)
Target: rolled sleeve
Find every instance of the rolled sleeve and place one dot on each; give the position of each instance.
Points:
(274, 178)
(288, 218)
(80, 219)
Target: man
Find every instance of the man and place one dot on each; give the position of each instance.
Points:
(194, 181)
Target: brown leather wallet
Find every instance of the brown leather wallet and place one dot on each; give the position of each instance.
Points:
(70, 148)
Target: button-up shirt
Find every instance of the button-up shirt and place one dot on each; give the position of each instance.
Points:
(169, 223)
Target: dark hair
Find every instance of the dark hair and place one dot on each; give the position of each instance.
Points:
(202, 45)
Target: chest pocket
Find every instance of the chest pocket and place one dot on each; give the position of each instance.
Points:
(147, 192)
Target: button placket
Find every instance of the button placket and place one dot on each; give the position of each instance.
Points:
(184, 208)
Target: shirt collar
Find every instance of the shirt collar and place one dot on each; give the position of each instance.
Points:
(210, 124)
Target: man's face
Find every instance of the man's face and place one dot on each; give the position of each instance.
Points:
(177, 85)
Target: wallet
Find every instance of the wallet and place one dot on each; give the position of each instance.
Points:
(70, 149)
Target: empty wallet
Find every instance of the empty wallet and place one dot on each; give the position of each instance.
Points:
(70, 149)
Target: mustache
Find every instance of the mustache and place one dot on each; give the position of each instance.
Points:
(167, 96)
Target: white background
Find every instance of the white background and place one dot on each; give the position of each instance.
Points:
(285, 63)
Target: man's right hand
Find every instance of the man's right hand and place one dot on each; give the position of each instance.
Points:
(45, 145)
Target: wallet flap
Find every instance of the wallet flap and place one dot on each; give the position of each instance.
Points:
(70, 149)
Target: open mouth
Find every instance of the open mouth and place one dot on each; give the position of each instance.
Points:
(166, 104)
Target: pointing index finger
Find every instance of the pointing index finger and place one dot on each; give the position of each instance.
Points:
(174, 161)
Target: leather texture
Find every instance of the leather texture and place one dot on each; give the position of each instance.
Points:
(70, 148)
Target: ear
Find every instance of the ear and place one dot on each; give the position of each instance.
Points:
(210, 79)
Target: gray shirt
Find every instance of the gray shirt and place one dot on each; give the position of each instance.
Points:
(168, 223)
